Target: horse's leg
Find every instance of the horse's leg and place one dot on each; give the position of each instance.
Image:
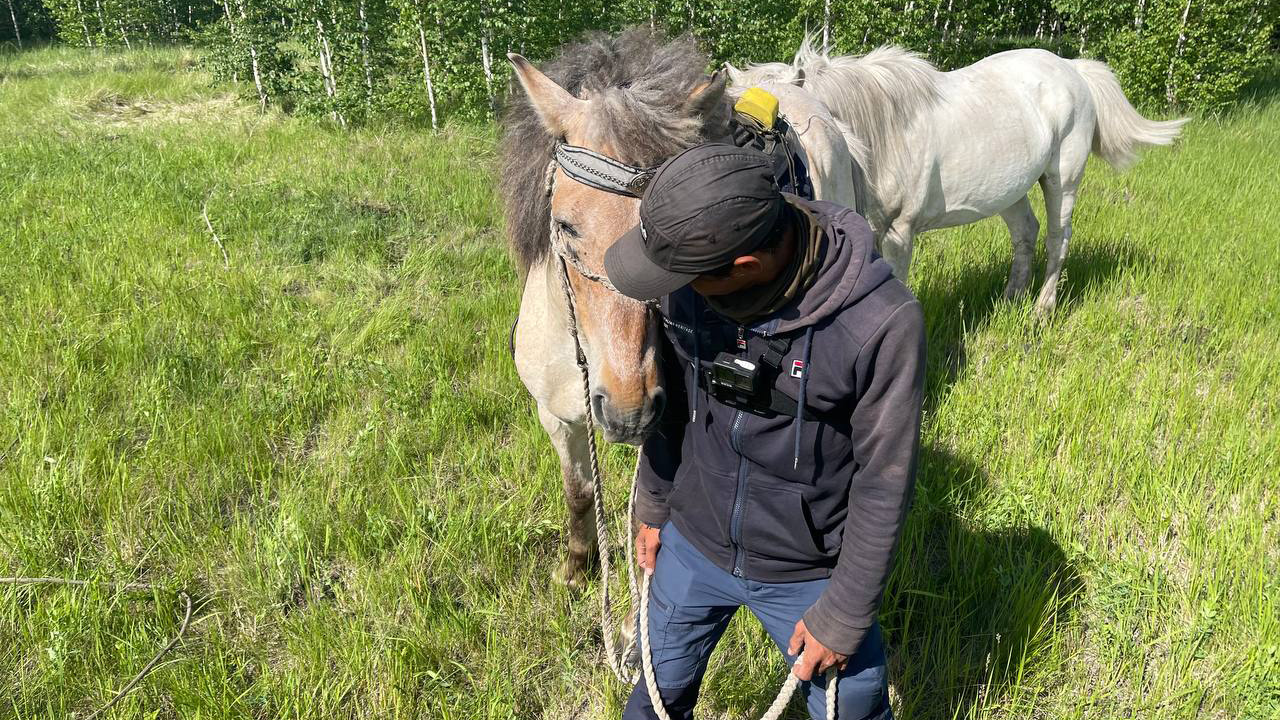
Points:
(1059, 202)
(570, 442)
(895, 246)
(1024, 229)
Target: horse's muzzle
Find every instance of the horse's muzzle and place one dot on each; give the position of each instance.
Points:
(629, 426)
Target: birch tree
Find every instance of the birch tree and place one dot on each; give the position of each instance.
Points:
(17, 31)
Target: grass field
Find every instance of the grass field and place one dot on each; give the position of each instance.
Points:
(325, 440)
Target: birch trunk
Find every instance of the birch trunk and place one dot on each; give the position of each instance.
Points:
(364, 57)
(253, 59)
(826, 26)
(1171, 89)
(17, 32)
(235, 37)
(102, 24)
(326, 71)
(488, 71)
(88, 39)
(946, 25)
(426, 75)
(1137, 16)
(123, 34)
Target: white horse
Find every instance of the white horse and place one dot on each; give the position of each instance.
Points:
(951, 148)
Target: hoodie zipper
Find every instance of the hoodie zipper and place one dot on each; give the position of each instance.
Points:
(740, 493)
(735, 523)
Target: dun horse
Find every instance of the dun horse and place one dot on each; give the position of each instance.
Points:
(635, 100)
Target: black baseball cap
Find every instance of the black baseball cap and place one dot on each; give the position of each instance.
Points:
(704, 207)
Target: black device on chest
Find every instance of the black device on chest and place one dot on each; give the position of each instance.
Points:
(747, 384)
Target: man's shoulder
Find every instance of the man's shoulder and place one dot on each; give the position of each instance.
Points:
(834, 216)
(890, 307)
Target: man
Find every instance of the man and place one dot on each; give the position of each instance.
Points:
(780, 473)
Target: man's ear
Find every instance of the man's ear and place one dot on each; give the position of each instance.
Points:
(555, 106)
(747, 265)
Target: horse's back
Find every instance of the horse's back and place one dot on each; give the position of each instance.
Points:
(1034, 79)
(999, 126)
(831, 160)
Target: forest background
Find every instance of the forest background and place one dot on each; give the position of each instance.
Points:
(428, 62)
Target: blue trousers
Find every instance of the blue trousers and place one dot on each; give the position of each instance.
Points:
(690, 603)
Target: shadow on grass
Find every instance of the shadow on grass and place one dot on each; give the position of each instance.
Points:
(969, 611)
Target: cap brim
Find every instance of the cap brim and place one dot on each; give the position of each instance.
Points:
(635, 275)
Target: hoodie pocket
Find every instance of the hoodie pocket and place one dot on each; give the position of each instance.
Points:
(705, 498)
(777, 524)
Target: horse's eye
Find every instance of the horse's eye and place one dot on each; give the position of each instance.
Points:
(566, 228)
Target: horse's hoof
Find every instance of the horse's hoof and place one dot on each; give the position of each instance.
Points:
(572, 573)
(1014, 293)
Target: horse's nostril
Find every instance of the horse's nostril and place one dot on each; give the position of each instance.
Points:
(659, 401)
(598, 404)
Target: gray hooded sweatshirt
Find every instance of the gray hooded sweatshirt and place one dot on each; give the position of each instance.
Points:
(778, 498)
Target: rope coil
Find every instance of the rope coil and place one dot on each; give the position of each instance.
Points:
(639, 592)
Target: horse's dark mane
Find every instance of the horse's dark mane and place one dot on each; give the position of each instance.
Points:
(640, 82)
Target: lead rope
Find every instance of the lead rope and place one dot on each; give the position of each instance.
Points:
(120, 587)
(616, 661)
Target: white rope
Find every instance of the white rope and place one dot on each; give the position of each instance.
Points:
(618, 661)
(119, 587)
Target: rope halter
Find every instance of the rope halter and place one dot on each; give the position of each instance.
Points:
(602, 173)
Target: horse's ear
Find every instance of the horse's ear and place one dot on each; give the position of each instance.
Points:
(555, 105)
(707, 94)
(735, 75)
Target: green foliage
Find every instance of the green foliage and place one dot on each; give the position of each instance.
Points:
(324, 437)
(365, 59)
(24, 21)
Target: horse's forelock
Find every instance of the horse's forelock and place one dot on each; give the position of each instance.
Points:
(638, 83)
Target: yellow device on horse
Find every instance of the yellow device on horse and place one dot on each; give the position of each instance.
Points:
(759, 105)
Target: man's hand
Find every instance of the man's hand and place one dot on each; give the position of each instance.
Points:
(647, 544)
(816, 655)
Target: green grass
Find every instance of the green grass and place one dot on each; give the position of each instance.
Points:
(327, 443)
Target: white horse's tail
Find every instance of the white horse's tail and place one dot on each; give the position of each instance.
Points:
(1121, 130)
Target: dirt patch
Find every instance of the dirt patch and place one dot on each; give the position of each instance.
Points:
(112, 109)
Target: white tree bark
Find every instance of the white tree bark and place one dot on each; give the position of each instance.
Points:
(235, 37)
(826, 26)
(1137, 16)
(1171, 90)
(364, 56)
(488, 70)
(88, 39)
(253, 60)
(17, 31)
(326, 71)
(426, 75)
(102, 24)
(123, 34)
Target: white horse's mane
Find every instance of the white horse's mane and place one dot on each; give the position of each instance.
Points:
(877, 94)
